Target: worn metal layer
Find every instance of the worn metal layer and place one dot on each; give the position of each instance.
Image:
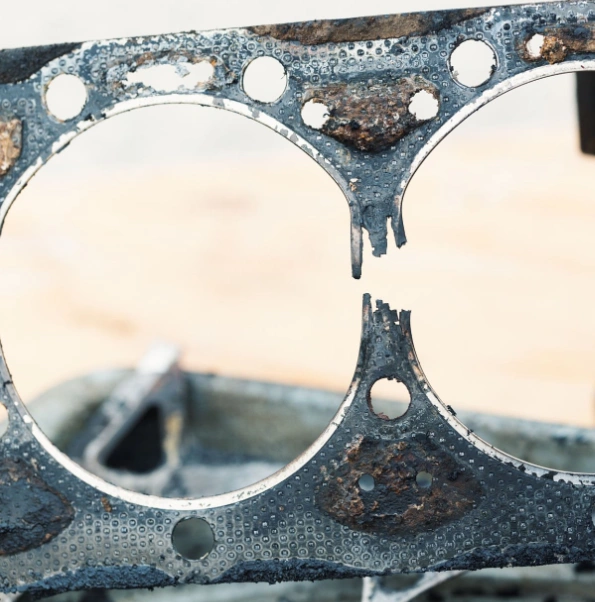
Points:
(440, 498)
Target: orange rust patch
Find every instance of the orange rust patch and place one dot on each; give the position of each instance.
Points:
(397, 504)
(371, 117)
(11, 132)
(560, 42)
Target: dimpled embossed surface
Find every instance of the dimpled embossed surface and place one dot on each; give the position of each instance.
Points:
(62, 528)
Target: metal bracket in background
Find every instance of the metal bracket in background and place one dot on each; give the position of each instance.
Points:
(437, 497)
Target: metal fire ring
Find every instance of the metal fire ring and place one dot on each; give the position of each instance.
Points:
(368, 99)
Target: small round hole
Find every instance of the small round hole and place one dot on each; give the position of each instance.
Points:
(389, 399)
(315, 114)
(193, 538)
(65, 96)
(472, 63)
(424, 105)
(534, 45)
(424, 479)
(366, 482)
(265, 79)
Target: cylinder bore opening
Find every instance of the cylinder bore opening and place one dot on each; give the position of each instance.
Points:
(499, 273)
(178, 224)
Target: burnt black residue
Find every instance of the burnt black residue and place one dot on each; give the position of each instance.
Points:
(277, 571)
(516, 555)
(31, 512)
(313, 33)
(103, 577)
(18, 64)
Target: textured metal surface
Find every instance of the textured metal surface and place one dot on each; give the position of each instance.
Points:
(301, 414)
(312, 519)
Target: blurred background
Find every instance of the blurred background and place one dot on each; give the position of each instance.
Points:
(203, 228)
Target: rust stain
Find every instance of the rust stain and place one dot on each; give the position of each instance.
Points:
(397, 504)
(11, 138)
(106, 505)
(313, 33)
(371, 117)
(560, 42)
(31, 512)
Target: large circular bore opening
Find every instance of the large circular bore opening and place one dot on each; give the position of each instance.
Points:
(500, 268)
(196, 227)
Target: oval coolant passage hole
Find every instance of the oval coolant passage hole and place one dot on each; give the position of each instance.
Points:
(192, 226)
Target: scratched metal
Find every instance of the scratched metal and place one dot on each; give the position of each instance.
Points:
(311, 520)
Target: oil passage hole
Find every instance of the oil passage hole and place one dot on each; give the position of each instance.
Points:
(366, 482)
(472, 63)
(424, 105)
(315, 114)
(389, 399)
(65, 97)
(193, 538)
(424, 479)
(265, 79)
(534, 45)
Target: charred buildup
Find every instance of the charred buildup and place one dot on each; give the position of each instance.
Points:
(313, 33)
(371, 116)
(31, 512)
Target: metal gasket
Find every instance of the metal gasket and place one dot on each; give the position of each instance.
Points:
(63, 528)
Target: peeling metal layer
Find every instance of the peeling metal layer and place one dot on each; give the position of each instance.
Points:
(312, 519)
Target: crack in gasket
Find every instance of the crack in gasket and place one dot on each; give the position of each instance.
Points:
(311, 520)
